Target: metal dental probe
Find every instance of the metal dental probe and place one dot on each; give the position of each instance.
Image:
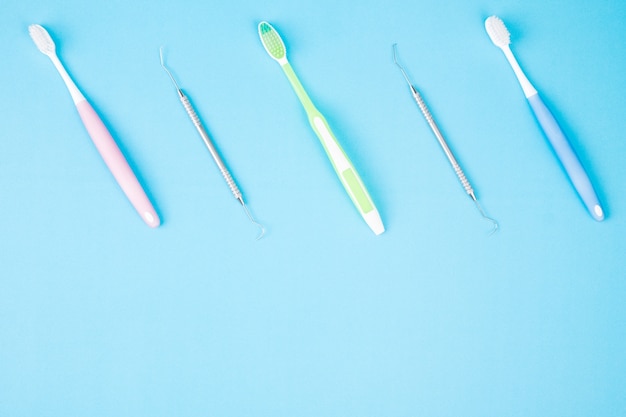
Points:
(446, 149)
(209, 144)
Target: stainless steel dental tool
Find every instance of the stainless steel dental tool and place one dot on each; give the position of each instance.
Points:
(209, 144)
(446, 149)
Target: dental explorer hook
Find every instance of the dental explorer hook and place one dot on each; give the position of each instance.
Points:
(168, 71)
(482, 213)
(442, 142)
(191, 112)
(395, 60)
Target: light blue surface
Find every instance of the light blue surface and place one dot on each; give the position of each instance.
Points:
(102, 316)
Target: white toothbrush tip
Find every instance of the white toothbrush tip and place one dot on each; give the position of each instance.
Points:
(42, 39)
(374, 221)
(497, 31)
(598, 213)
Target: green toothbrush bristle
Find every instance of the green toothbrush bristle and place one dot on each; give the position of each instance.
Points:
(271, 40)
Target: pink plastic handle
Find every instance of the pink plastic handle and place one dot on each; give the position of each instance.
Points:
(117, 164)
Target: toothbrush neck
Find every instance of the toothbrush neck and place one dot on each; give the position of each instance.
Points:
(297, 86)
(528, 88)
(77, 96)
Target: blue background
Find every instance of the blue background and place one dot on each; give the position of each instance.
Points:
(102, 316)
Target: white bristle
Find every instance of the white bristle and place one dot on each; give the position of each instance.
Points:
(42, 39)
(45, 44)
(497, 31)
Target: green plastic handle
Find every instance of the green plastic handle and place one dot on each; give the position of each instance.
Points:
(344, 168)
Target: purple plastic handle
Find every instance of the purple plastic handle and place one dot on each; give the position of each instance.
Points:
(117, 164)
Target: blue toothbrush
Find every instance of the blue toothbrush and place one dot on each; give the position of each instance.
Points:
(501, 37)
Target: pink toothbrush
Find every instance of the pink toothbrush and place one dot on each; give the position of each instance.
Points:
(99, 134)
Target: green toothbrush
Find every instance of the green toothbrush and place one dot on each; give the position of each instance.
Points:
(346, 172)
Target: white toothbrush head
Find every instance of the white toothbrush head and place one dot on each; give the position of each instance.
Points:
(272, 42)
(498, 32)
(42, 39)
(46, 46)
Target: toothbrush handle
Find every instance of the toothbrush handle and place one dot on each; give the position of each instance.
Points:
(347, 174)
(117, 164)
(567, 157)
(341, 163)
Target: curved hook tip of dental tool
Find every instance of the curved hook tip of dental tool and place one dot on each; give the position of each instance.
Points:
(167, 70)
(259, 225)
(496, 226)
(395, 60)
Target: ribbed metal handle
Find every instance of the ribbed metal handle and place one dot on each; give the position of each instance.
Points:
(431, 122)
(209, 144)
(190, 110)
(231, 183)
(422, 105)
(464, 182)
